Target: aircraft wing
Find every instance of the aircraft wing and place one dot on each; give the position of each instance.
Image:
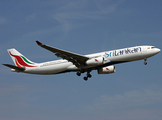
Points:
(76, 59)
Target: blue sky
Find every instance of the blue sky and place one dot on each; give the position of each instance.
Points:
(83, 27)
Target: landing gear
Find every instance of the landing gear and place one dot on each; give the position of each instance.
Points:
(88, 75)
(78, 73)
(85, 78)
(145, 61)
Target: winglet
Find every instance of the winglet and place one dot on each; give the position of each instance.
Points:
(39, 43)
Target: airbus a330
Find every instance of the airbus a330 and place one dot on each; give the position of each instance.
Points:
(103, 62)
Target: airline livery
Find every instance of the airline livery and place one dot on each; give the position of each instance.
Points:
(103, 62)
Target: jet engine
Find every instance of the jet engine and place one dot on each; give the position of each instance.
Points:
(95, 61)
(106, 70)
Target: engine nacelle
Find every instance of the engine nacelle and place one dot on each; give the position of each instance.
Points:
(106, 70)
(95, 61)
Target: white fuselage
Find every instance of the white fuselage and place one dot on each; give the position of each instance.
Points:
(109, 58)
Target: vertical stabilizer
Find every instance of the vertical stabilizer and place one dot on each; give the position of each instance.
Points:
(20, 60)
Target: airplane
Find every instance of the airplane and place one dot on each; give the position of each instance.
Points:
(103, 62)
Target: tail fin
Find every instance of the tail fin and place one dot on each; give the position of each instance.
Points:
(19, 59)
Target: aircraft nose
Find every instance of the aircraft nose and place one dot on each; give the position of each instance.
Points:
(158, 50)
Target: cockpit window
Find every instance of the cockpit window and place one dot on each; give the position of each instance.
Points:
(152, 47)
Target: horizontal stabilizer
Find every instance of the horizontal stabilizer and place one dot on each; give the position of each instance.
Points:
(14, 67)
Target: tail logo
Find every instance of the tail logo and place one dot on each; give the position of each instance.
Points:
(21, 61)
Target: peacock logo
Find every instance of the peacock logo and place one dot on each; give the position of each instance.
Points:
(21, 61)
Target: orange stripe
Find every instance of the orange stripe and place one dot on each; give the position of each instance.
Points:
(17, 63)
